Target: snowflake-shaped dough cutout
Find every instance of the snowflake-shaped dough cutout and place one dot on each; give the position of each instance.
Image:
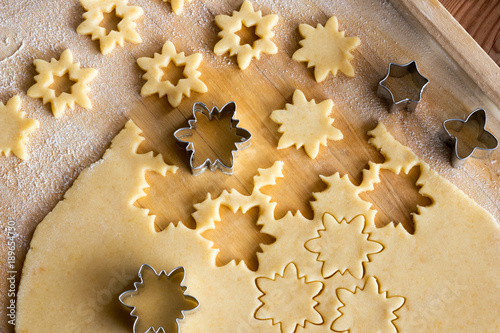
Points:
(326, 48)
(14, 128)
(343, 246)
(306, 123)
(230, 41)
(177, 5)
(367, 309)
(126, 27)
(158, 301)
(65, 65)
(154, 73)
(288, 300)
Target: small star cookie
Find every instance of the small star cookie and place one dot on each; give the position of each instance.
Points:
(14, 128)
(326, 49)
(230, 41)
(126, 27)
(65, 65)
(305, 123)
(154, 73)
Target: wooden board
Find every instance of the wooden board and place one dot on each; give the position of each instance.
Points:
(481, 19)
(462, 78)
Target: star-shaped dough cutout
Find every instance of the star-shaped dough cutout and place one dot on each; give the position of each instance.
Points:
(14, 128)
(65, 65)
(326, 49)
(230, 41)
(177, 5)
(154, 73)
(126, 27)
(288, 300)
(343, 246)
(367, 309)
(306, 123)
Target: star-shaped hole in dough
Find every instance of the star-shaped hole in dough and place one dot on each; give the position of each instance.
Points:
(154, 73)
(230, 41)
(306, 123)
(158, 301)
(65, 65)
(288, 300)
(14, 128)
(343, 246)
(94, 15)
(177, 5)
(367, 309)
(326, 49)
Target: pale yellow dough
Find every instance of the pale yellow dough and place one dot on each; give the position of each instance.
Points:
(230, 41)
(326, 49)
(177, 5)
(442, 278)
(14, 128)
(65, 65)
(306, 123)
(154, 73)
(95, 10)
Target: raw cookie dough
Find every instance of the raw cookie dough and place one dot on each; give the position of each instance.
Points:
(154, 73)
(177, 5)
(95, 10)
(306, 123)
(230, 41)
(89, 248)
(326, 49)
(65, 65)
(14, 128)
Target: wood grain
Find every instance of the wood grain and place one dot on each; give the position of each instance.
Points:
(481, 19)
(462, 76)
(476, 64)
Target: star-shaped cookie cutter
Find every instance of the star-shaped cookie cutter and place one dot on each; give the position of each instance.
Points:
(140, 284)
(399, 71)
(488, 140)
(243, 134)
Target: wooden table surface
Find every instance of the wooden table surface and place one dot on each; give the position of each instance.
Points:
(481, 19)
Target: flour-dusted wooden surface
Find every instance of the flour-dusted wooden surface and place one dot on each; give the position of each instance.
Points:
(60, 149)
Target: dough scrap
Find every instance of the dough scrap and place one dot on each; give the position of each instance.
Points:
(343, 246)
(230, 41)
(83, 275)
(154, 73)
(65, 65)
(306, 123)
(15, 128)
(177, 5)
(286, 296)
(358, 313)
(326, 49)
(94, 14)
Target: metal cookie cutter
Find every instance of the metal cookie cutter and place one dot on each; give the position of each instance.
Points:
(139, 285)
(399, 71)
(488, 141)
(243, 134)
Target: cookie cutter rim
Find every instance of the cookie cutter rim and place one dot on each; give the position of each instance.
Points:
(484, 136)
(210, 114)
(399, 71)
(158, 275)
